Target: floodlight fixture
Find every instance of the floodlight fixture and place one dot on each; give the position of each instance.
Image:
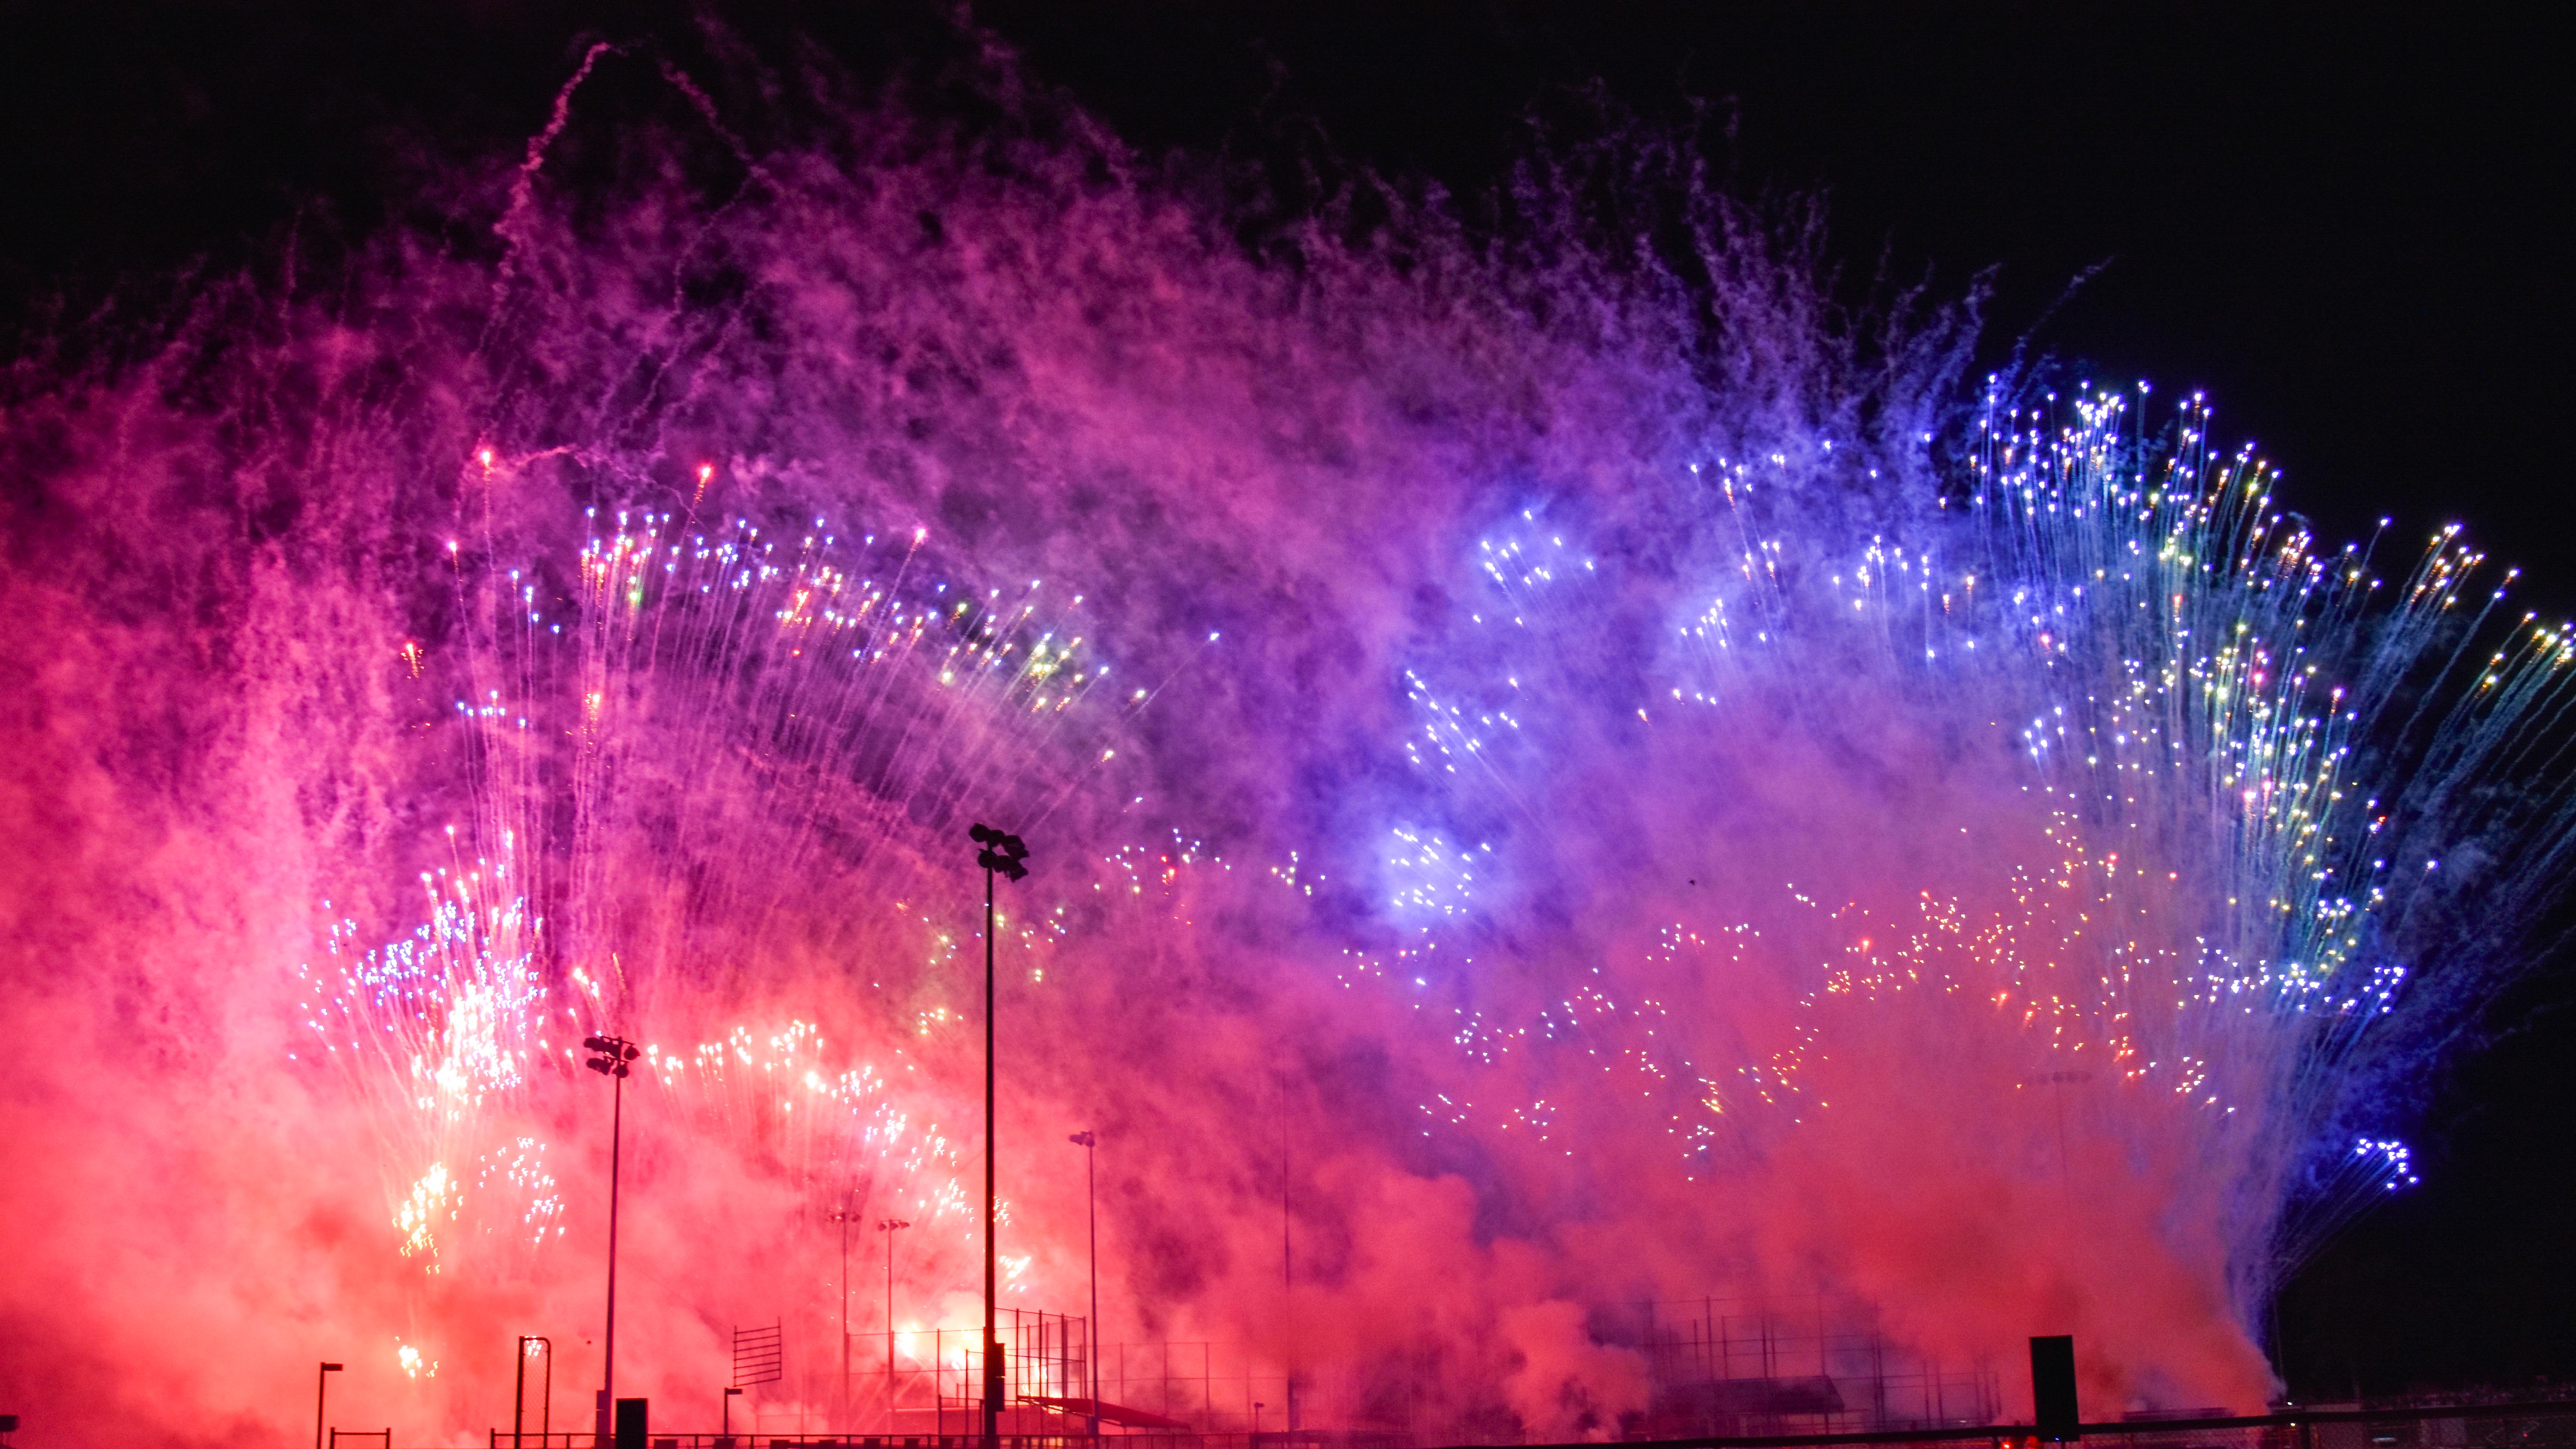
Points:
(1003, 854)
(613, 1053)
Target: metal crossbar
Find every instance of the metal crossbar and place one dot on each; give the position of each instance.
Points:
(759, 1356)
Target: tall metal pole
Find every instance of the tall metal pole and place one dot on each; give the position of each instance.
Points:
(992, 1324)
(845, 1304)
(1091, 1201)
(1287, 1263)
(890, 1227)
(612, 1057)
(1001, 853)
(890, 1385)
(608, 1347)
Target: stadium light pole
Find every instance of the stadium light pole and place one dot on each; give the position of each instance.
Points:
(890, 1227)
(610, 1057)
(999, 853)
(321, 1384)
(1088, 1141)
(842, 1216)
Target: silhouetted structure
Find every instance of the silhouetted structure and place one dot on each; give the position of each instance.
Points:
(1728, 1367)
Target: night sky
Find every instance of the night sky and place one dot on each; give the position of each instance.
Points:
(2351, 230)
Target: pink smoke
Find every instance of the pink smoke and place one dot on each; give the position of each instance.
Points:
(241, 639)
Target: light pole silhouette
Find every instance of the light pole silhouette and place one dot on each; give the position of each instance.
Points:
(889, 1227)
(610, 1057)
(321, 1384)
(842, 1216)
(1088, 1141)
(999, 853)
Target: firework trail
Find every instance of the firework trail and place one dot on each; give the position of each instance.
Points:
(1584, 779)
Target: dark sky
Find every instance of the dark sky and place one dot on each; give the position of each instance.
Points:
(2351, 228)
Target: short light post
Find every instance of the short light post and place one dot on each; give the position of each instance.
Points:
(1088, 1141)
(999, 853)
(890, 1227)
(728, 1415)
(611, 1057)
(321, 1383)
(1256, 1421)
(519, 1391)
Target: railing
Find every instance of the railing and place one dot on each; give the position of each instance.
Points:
(1720, 1366)
(1151, 1439)
(926, 1384)
(2549, 1425)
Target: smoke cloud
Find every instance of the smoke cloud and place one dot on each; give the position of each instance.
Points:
(1542, 792)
